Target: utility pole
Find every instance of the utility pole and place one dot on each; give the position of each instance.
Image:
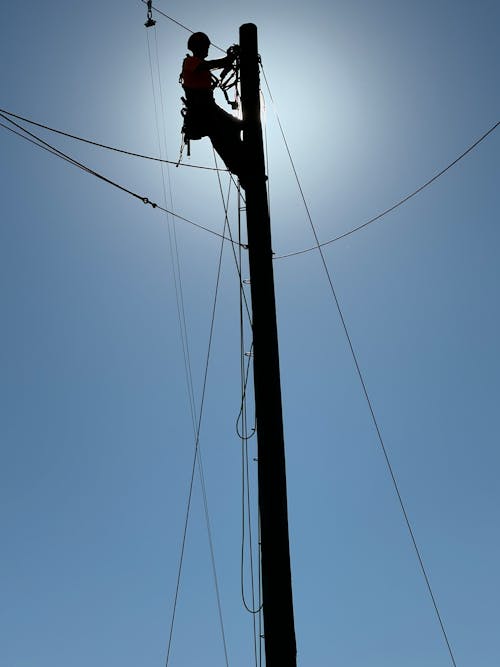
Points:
(279, 630)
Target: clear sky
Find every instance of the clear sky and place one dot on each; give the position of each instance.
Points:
(96, 429)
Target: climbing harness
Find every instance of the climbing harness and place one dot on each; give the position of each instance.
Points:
(230, 77)
(192, 128)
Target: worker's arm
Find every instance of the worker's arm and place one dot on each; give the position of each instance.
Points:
(220, 63)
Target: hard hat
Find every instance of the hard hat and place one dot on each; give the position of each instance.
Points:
(198, 39)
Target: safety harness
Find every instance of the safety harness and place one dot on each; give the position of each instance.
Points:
(228, 79)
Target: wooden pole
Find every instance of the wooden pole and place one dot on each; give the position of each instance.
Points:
(279, 631)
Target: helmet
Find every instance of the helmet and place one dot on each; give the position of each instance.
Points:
(197, 40)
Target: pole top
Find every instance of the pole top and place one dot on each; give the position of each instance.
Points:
(248, 30)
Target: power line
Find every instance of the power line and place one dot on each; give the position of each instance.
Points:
(105, 146)
(58, 153)
(365, 390)
(40, 143)
(193, 166)
(31, 141)
(394, 206)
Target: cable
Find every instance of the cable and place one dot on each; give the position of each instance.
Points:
(245, 468)
(31, 141)
(172, 237)
(169, 17)
(105, 146)
(193, 166)
(234, 243)
(243, 299)
(64, 156)
(195, 458)
(76, 163)
(255, 609)
(176, 270)
(242, 434)
(367, 397)
(212, 551)
(180, 25)
(395, 206)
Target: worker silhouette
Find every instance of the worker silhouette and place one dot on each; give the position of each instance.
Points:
(202, 117)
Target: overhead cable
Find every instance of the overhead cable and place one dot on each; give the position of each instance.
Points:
(55, 151)
(394, 206)
(105, 146)
(40, 143)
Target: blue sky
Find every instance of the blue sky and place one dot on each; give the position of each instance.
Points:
(96, 430)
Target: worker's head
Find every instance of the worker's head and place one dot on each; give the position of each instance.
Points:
(198, 43)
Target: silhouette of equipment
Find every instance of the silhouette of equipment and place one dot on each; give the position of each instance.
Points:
(197, 121)
(150, 21)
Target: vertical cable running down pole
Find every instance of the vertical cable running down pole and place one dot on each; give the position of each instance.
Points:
(279, 630)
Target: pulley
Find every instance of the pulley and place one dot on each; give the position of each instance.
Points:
(150, 22)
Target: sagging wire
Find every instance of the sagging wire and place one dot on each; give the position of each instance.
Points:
(255, 606)
(242, 433)
(246, 517)
(38, 141)
(385, 212)
(49, 148)
(98, 144)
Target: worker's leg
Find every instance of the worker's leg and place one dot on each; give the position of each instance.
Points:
(225, 134)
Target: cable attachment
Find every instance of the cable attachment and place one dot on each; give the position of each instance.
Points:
(150, 22)
(229, 77)
(192, 126)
